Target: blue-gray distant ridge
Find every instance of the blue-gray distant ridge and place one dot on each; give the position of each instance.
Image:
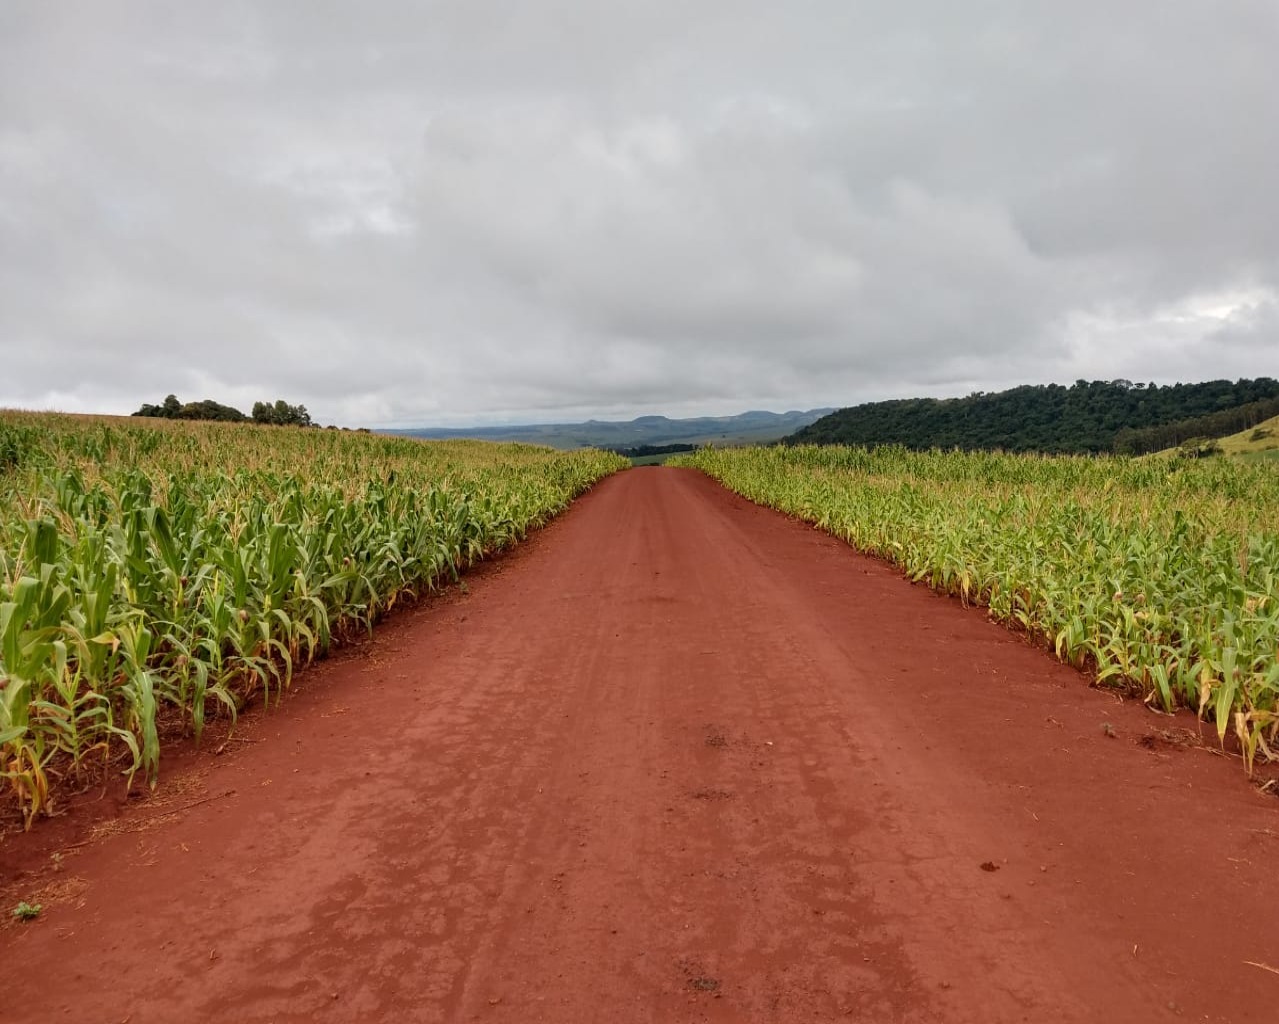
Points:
(754, 427)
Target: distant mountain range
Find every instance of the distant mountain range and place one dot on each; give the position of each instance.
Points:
(748, 428)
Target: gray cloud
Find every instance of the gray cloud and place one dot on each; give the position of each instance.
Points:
(469, 210)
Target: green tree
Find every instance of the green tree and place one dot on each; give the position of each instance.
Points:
(281, 414)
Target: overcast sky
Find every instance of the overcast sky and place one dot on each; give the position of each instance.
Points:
(466, 211)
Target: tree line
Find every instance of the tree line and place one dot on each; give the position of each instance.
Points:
(279, 412)
(1085, 418)
(636, 451)
(1216, 424)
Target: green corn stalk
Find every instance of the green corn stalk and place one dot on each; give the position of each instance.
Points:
(168, 567)
(1161, 577)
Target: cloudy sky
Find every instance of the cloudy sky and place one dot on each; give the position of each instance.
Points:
(466, 211)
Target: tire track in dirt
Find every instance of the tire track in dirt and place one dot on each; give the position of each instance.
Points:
(679, 759)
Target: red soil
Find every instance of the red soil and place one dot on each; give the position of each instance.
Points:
(677, 759)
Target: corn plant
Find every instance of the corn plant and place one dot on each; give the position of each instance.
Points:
(152, 565)
(1159, 575)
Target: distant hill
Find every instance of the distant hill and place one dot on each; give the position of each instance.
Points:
(1256, 442)
(1087, 417)
(747, 428)
(1232, 421)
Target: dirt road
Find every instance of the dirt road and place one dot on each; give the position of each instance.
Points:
(678, 759)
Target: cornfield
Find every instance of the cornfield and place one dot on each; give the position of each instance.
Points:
(190, 567)
(1160, 575)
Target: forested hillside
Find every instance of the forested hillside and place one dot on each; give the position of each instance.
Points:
(1088, 416)
(1131, 441)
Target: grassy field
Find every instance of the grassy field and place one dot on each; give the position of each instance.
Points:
(652, 460)
(1255, 444)
(1155, 574)
(1259, 442)
(154, 564)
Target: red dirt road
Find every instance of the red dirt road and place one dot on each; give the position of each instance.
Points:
(677, 759)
